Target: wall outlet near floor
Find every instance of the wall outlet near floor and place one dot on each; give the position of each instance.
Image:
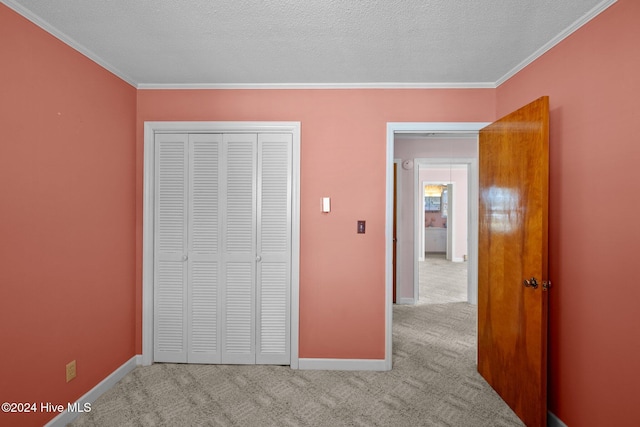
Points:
(71, 370)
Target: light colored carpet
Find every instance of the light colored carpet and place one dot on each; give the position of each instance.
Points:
(433, 383)
(441, 281)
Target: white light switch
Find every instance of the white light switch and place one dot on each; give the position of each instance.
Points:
(326, 204)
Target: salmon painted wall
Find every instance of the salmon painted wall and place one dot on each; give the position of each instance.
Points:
(67, 220)
(343, 155)
(592, 79)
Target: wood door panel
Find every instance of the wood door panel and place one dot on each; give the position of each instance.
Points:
(512, 247)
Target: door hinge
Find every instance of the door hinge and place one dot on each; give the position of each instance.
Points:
(546, 285)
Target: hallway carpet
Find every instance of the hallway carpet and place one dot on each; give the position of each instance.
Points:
(441, 281)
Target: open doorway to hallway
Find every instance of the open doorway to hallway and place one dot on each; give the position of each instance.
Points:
(406, 276)
(435, 223)
(442, 232)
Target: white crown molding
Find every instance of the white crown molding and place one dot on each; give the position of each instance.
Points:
(195, 86)
(599, 8)
(26, 13)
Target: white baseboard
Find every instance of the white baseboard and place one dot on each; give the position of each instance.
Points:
(89, 397)
(457, 259)
(343, 364)
(407, 301)
(553, 421)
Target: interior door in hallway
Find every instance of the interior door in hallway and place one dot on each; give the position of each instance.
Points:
(512, 252)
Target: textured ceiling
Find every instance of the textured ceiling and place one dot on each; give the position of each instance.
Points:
(449, 43)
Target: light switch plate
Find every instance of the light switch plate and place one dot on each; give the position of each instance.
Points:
(326, 204)
(361, 226)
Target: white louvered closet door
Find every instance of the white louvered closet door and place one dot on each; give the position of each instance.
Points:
(273, 249)
(239, 248)
(204, 244)
(222, 266)
(170, 272)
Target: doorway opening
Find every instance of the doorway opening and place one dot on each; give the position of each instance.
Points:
(442, 234)
(408, 246)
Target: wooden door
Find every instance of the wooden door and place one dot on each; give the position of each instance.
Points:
(512, 249)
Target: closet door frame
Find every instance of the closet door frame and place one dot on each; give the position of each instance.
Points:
(150, 130)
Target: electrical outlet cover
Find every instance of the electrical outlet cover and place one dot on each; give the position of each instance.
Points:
(71, 370)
